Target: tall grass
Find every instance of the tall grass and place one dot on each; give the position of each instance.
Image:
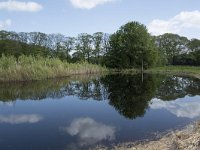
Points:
(39, 68)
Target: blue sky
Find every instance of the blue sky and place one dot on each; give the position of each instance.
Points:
(71, 17)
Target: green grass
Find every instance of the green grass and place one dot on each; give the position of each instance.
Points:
(28, 68)
(181, 70)
(39, 68)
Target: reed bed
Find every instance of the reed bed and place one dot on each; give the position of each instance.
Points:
(27, 68)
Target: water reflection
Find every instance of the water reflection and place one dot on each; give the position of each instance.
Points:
(82, 86)
(128, 94)
(89, 132)
(83, 111)
(20, 119)
(180, 108)
(174, 87)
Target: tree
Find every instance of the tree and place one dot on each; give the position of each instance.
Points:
(98, 45)
(106, 44)
(171, 45)
(78, 55)
(194, 45)
(4, 35)
(131, 46)
(69, 46)
(84, 44)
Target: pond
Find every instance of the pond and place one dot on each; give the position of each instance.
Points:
(81, 112)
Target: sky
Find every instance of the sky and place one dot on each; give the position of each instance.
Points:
(71, 17)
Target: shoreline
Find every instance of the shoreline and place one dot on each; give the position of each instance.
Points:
(18, 74)
(187, 138)
(176, 70)
(53, 78)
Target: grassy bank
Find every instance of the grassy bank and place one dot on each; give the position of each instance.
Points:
(177, 70)
(30, 68)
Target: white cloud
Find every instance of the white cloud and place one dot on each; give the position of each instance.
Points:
(88, 4)
(5, 23)
(20, 119)
(181, 108)
(13, 5)
(177, 24)
(89, 131)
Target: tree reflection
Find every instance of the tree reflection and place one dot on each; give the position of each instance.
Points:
(82, 86)
(128, 94)
(32, 90)
(174, 87)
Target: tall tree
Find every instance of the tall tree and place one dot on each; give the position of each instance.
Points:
(69, 46)
(172, 45)
(85, 45)
(106, 44)
(98, 45)
(131, 46)
(194, 45)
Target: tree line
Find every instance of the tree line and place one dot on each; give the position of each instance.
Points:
(129, 47)
(84, 47)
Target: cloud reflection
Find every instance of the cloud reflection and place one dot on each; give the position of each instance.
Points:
(11, 104)
(180, 108)
(89, 131)
(20, 119)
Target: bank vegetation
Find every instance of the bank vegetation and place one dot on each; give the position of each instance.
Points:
(27, 68)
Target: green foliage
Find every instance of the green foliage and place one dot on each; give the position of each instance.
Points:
(38, 68)
(194, 45)
(191, 56)
(131, 46)
(98, 44)
(85, 45)
(171, 45)
(17, 48)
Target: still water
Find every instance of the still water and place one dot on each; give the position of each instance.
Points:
(83, 111)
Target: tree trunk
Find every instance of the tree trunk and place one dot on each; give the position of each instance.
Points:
(142, 70)
(88, 58)
(142, 67)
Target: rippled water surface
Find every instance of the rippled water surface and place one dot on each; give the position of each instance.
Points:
(83, 111)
